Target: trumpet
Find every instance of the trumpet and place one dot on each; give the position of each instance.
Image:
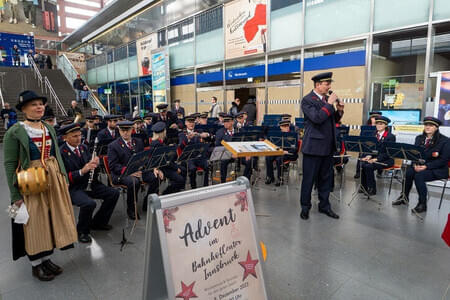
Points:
(91, 174)
(78, 117)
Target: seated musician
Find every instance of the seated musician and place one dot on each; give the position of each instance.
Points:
(220, 119)
(79, 163)
(166, 117)
(197, 118)
(288, 117)
(50, 120)
(119, 153)
(88, 127)
(290, 154)
(203, 118)
(225, 134)
(250, 163)
(148, 118)
(63, 122)
(139, 130)
(110, 133)
(171, 171)
(188, 137)
(370, 122)
(435, 166)
(370, 163)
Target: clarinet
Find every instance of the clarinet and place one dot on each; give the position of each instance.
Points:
(91, 174)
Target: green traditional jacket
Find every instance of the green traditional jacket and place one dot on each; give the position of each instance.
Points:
(16, 146)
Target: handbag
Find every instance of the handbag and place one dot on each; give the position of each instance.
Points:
(33, 180)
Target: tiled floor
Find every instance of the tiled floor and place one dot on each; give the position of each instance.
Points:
(372, 252)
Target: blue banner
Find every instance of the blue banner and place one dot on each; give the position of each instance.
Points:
(160, 75)
(7, 42)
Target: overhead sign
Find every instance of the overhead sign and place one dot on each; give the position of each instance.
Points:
(7, 42)
(245, 28)
(208, 245)
(144, 47)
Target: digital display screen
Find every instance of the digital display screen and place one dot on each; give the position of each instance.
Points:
(406, 116)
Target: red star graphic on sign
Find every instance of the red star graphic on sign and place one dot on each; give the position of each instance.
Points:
(186, 291)
(242, 200)
(249, 266)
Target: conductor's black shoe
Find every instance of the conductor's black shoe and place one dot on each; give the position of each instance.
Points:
(84, 238)
(269, 180)
(304, 215)
(329, 213)
(53, 268)
(278, 182)
(357, 175)
(420, 208)
(371, 192)
(41, 273)
(104, 227)
(400, 200)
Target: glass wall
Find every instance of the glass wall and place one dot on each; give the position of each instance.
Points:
(209, 36)
(286, 22)
(441, 10)
(333, 19)
(399, 13)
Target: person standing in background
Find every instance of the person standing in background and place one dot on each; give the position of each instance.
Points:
(234, 107)
(85, 96)
(177, 109)
(29, 9)
(48, 62)
(215, 108)
(250, 109)
(13, 11)
(78, 85)
(16, 56)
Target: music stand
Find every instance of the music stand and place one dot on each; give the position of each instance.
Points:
(409, 154)
(191, 152)
(162, 156)
(363, 145)
(286, 141)
(247, 136)
(218, 154)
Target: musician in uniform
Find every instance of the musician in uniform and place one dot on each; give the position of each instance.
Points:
(435, 166)
(188, 137)
(50, 120)
(119, 153)
(86, 131)
(250, 163)
(290, 154)
(148, 118)
(220, 119)
(167, 117)
(319, 144)
(171, 171)
(203, 118)
(79, 164)
(110, 133)
(225, 134)
(370, 163)
(197, 118)
(370, 122)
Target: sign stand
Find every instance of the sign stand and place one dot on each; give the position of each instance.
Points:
(203, 244)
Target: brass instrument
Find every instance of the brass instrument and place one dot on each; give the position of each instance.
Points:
(78, 117)
(91, 174)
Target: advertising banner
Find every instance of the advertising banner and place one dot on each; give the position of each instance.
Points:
(160, 76)
(245, 28)
(23, 42)
(442, 109)
(144, 48)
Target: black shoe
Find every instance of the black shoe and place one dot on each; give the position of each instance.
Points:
(41, 273)
(104, 227)
(278, 182)
(371, 192)
(400, 200)
(50, 266)
(84, 238)
(420, 208)
(357, 175)
(269, 180)
(304, 215)
(329, 213)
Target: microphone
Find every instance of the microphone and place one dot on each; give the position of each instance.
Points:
(337, 100)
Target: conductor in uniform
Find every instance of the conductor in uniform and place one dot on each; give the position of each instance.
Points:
(319, 144)
(78, 164)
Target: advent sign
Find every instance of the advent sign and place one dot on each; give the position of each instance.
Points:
(209, 245)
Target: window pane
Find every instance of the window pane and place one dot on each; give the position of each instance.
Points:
(92, 77)
(133, 66)
(286, 24)
(392, 14)
(181, 55)
(102, 74)
(121, 69)
(441, 10)
(327, 20)
(209, 46)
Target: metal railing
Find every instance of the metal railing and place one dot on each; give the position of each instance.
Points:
(66, 66)
(46, 85)
(53, 97)
(1, 98)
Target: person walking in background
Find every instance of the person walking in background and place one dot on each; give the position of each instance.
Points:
(6, 113)
(41, 61)
(30, 57)
(16, 56)
(78, 85)
(29, 10)
(234, 107)
(48, 62)
(74, 110)
(84, 96)
(215, 108)
(13, 11)
(250, 109)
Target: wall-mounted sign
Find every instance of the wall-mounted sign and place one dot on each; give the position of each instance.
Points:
(245, 28)
(7, 42)
(144, 47)
(160, 76)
